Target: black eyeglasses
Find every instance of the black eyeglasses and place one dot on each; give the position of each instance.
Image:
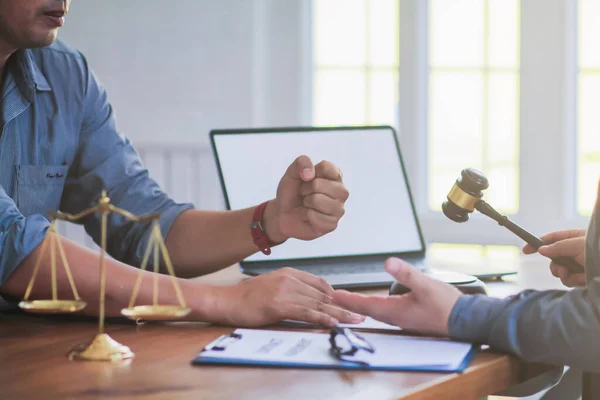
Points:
(345, 343)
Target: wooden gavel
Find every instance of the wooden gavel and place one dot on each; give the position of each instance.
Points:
(466, 197)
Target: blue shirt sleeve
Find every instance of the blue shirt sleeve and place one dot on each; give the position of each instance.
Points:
(555, 327)
(106, 160)
(19, 236)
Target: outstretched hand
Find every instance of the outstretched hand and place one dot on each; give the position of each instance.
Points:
(425, 309)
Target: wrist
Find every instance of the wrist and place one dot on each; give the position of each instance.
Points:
(472, 317)
(222, 305)
(270, 223)
(205, 307)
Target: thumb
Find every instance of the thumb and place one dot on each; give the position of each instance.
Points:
(528, 249)
(302, 168)
(406, 274)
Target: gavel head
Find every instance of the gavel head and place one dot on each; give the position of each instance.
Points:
(465, 193)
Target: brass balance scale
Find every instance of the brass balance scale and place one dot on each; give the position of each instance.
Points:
(103, 347)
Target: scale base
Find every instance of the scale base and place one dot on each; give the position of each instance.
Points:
(52, 306)
(156, 312)
(102, 348)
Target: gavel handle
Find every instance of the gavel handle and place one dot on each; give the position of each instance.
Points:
(569, 262)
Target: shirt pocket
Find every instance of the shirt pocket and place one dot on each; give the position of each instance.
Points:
(39, 188)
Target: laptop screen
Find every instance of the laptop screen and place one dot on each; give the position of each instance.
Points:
(379, 218)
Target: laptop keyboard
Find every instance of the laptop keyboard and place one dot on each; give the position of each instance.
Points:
(336, 269)
(376, 266)
(344, 269)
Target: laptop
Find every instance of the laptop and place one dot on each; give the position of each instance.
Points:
(380, 219)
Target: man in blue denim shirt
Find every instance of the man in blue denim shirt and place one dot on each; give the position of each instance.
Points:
(59, 148)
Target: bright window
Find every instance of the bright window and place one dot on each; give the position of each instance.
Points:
(588, 105)
(468, 68)
(473, 111)
(356, 62)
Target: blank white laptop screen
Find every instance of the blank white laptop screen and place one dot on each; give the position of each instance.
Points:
(379, 216)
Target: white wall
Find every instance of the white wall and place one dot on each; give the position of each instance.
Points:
(175, 70)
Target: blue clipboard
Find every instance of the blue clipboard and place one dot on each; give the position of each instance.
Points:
(296, 349)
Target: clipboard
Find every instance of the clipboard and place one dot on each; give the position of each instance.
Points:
(296, 349)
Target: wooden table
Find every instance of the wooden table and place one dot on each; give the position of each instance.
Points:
(35, 366)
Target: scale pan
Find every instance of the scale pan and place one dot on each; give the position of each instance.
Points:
(52, 306)
(155, 313)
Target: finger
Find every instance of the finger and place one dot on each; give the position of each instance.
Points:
(406, 274)
(381, 308)
(529, 249)
(568, 279)
(301, 169)
(324, 204)
(305, 314)
(307, 290)
(302, 293)
(321, 223)
(340, 314)
(558, 270)
(568, 248)
(314, 281)
(327, 170)
(332, 189)
(573, 280)
(555, 237)
(562, 235)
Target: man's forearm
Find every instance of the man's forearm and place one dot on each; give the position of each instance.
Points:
(120, 280)
(553, 327)
(201, 242)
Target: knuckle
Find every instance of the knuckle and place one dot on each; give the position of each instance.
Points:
(345, 194)
(286, 271)
(319, 306)
(324, 320)
(311, 215)
(307, 201)
(283, 280)
(306, 188)
(316, 200)
(345, 314)
(326, 164)
(306, 313)
(326, 229)
(323, 282)
(317, 185)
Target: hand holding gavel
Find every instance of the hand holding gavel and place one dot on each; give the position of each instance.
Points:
(466, 197)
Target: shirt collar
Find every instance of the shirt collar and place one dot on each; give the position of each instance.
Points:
(27, 75)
